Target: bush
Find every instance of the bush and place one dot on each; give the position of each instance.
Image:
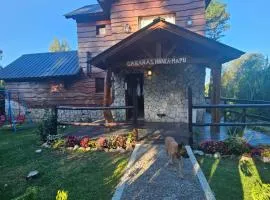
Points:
(256, 152)
(121, 141)
(48, 126)
(60, 143)
(71, 141)
(266, 153)
(237, 145)
(85, 142)
(212, 147)
(92, 144)
(101, 142)
(112, 142)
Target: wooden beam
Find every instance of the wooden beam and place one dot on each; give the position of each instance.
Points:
(215, 95)
(170, 51)
(158, 50)
(108, 96)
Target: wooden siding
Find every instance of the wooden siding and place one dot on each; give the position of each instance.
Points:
(77, 92)
(128, 12)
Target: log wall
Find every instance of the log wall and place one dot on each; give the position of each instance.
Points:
(128, 12)
(78, 91)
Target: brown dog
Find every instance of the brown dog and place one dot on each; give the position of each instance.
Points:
(172, 150)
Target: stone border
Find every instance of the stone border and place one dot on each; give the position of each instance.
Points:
(121, 186)
(198, 172)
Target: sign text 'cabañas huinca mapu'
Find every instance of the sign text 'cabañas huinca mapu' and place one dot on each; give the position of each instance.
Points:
(156, 61)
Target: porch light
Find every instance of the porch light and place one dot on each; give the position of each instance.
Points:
(149, 72)
(189, 22)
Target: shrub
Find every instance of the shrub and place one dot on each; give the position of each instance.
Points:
(71, 141)
(237, 145)
(101, 142)
(92, 144)
(60, 143)
(85, 142)
(266, 153)
(112, 144)
(121, 141)
(48, 126)
(212, 147)
(256, 152)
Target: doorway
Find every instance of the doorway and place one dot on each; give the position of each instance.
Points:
(134, 92)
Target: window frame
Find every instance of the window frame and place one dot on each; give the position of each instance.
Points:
(98, 28)
(99, 89)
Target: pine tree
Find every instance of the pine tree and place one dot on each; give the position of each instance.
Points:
(217, 19)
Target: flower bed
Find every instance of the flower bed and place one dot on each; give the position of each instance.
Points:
(121, 143)
(234, 146)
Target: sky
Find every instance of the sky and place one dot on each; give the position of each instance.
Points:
(29, 26)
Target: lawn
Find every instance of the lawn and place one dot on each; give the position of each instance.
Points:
(237, 179)
(91, 175)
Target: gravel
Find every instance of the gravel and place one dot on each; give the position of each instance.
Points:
(150, 179)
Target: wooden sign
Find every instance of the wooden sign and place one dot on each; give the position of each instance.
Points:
(156, 61)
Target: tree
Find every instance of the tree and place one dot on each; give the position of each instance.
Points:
(247, 78)
(58, 46)
(217, 19)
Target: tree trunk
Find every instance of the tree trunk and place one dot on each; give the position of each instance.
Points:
(107, 96)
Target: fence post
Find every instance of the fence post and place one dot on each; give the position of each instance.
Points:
(190, 116)
(244, 119)
(225, 112)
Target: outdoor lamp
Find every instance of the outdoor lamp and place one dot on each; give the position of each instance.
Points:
(189, 22)
(149, 72)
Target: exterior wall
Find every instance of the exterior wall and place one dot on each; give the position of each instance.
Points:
(77, 92)
(37, 96)
(166, 92)
(37, 114)
(128, 12)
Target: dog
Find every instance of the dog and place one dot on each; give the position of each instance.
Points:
(172, 149)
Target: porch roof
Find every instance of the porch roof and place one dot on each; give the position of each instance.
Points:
(175, 41)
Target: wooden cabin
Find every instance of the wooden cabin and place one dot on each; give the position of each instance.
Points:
(151, 50)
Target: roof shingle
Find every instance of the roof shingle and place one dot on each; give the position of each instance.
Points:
(42, 65)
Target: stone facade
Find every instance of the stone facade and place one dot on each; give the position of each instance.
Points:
(165, 92)
(37, 114)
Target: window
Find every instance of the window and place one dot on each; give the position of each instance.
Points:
(99, 85)
(144, 21)
(101, 30)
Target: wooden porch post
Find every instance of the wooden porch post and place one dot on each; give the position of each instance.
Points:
(107, 96)
(215, 95)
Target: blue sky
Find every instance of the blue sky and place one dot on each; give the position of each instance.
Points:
(29, 26)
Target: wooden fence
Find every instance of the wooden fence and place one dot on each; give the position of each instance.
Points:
(240, 104)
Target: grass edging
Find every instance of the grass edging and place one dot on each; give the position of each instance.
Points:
(198, 172)
(121, 186)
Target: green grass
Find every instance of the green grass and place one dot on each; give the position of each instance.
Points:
(92, 175)
(237, 179)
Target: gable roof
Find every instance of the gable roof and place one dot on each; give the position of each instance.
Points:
(94, 10)
(42, 65)
(194, 42)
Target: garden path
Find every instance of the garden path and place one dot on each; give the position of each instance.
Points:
(148, 178)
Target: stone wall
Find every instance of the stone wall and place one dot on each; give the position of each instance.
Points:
(166, 92)
(37, 114)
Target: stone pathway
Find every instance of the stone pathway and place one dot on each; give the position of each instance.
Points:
(149, 179)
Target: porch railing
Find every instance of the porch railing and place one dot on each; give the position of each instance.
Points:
(243, 120)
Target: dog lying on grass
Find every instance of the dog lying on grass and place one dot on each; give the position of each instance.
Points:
(172, 149)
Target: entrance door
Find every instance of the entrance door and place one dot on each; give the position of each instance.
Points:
(134, 92)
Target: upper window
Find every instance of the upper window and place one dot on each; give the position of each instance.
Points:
(101, 29)
(99, 85)
(144, 21)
